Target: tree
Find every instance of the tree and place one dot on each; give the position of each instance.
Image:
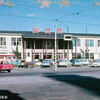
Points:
(16, 52)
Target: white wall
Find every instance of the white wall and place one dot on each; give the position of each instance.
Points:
(8, 47)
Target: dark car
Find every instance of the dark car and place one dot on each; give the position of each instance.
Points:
(23, 64)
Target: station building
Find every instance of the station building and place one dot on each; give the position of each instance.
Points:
(42, 46)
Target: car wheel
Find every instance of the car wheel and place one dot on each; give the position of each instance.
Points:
(9, 71)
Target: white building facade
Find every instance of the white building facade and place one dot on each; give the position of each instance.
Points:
(41, 46)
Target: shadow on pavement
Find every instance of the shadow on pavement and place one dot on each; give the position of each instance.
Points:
(8, 95)
(88, 83)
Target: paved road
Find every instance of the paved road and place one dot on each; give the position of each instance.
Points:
(73, 83)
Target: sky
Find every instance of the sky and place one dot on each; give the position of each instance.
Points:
(73, 16)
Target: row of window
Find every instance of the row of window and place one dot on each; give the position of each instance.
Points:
(14, 41)
(88, 42)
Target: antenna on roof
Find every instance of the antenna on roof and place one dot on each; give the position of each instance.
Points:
(86, 30)
(67, 29)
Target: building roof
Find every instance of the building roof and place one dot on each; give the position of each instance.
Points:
(42, 35)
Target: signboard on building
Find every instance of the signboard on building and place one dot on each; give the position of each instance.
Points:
(3, 47)
(59, 30)
(47, 30)
(35, 30)
(67, 37)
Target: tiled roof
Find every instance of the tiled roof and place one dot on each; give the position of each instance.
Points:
(42, 35)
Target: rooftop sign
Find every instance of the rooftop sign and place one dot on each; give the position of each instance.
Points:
(67, 37)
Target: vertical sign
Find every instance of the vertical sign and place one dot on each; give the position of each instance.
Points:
(47, 30)
(35, 30)
(59, 30)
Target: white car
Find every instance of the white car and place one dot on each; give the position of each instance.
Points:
(38, 63)
(85, 62)
(64, 62)
(47, 63)
(96, 63)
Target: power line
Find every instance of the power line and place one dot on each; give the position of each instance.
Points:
(65, 13)
(53, 20)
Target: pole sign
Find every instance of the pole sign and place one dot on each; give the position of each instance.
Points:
(67, 37)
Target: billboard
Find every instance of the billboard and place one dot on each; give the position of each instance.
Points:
(67, 37)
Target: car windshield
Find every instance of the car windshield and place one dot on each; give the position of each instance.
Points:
(85, 60)
(5, 62)
(63, 60)
(22, 60)
(81, 60)
(77, 60)
(17, 60)
(47, 61)
(96, 60)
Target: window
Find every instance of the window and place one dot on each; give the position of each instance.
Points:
(18, 41)
(98, 43)
(92, 55)
(13, 41)
(2, 40)
(28, 54)
(78, 42)
(91, 43)
(73, 55)
(86, 42)
(73, 41)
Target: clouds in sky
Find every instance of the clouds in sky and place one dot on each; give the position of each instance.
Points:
(8, 3)
(96, 3)
(30, 15)
(45, 3)
(62, 2)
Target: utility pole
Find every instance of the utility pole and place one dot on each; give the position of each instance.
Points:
(55, 65)
(68, 44)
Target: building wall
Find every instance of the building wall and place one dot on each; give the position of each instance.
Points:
(41, 53)
(95, 49)
(7, 49)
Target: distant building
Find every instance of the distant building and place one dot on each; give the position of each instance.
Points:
(41, 45)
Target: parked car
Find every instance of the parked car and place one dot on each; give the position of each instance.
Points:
(31, 64)
(64, 63)
(96, 63)
(85, 62)
(23, 64)
(76, 62)
(5, 66)
(47, 63)
(16, 62)
(38, 63)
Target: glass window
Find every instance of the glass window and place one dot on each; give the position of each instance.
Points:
(98, 43)
(78, 42)
(18, 41)
(73, 41)
(13, 41)
(91, 43)
(3, 40)
(86, 42)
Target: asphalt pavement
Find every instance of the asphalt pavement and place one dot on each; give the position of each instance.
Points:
(72, 83)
